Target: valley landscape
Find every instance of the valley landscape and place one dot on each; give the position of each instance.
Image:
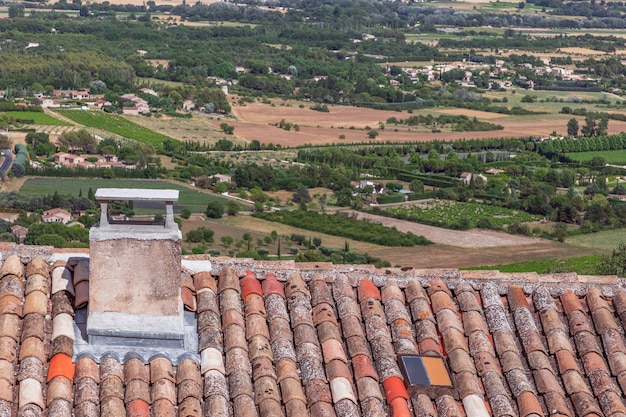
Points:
(361, 114)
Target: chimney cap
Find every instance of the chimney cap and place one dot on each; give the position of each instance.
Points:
(135, 194)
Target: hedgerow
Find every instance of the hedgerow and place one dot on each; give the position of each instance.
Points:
(344, 226)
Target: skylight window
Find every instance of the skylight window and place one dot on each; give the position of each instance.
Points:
(424, 371)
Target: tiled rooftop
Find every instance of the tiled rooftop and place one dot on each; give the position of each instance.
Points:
(288, 339)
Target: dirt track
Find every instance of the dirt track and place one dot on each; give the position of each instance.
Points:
(475, 238)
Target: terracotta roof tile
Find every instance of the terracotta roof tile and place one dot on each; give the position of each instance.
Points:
(38, 282)
(190, 407)
(330, 351)
(10, 304)
(163, 389)
(12, 265)
(528, 405)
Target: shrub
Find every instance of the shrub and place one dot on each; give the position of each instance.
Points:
(294, 249)
(215, 210)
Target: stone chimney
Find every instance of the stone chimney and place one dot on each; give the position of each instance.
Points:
(135, 275)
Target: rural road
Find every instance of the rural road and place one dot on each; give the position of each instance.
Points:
(474, 238)
(7, 161)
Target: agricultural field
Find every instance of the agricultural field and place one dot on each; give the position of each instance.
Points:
(38, 118)
(116, 124)
(605, 240)
(343, 124)
(617, 157)
(585, 265)
(196, 129)
(458, 215)
(189, 198)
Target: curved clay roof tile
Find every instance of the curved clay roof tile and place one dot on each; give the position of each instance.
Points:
(33, 347)
(235, 338)
(206, 300)
(189, 388)
(190, 407)
(87, 368)
(240, 383)
(31, 367)
(37, 266)
(228, 280)
(10, 326)
(59, 388)
(82, 294)
(10, 304)
(214, 385)
(271, 285)
(391, 291)
(188, 369)
(320, 293)
(111, 387)
(262, 367)
(328, 330)
(619, 300)
(6, 392)
(286, 368)
(135, 369)
(230, 300)
(30, 392)
(61, 344)
(8, 349)
(111, 367)
(270, 408)
(161, 368)
(254, 305)
(86, 409)
(33, 325)
(81, 271)
(259, 347)
(216, 405)
(256, 325)
(164, 408)
(276, 308)
(62, 280)
(265, 388)
(204, 280)
(86, 390)
(295, 284)
(305, 334)
(243, 406)
(322, 409)
(11, 285)
(60, 408)
(37, 282)
(35, 302)
(137, 390)
(61, 304)
(112, 407)
(63, 325)
(12, 265)
(342, 288)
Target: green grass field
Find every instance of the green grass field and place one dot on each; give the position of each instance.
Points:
(188, 198)
(605, 240)
(116, 124)
(611, 157)
(585, 265)
(38, 118)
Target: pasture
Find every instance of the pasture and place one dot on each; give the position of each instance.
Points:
(189, 198)
(617, 157)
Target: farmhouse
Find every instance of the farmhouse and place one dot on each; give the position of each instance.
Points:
(288, 339)
(56, 215)
(19, 232)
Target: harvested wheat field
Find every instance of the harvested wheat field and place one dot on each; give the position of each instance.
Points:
(257, 121)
